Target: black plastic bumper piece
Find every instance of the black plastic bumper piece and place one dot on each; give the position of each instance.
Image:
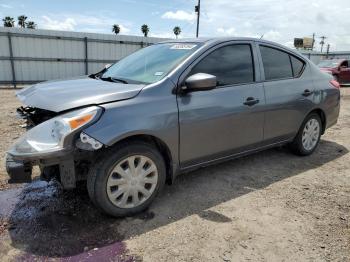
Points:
(18, 171)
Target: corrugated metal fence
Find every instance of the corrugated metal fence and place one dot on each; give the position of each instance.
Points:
(316, 57)
(29, 56)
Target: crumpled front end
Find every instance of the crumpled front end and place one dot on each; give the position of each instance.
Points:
(34, 116)
(53, 140)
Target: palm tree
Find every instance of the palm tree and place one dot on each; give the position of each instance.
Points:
(31, 25)
(145, 30)
(8, 21)
(177, 31)
(116, 29)
(22, 21)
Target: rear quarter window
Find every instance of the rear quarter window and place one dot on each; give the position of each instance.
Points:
(297, 66)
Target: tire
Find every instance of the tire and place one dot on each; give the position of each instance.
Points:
(300, 148)
(114, 165)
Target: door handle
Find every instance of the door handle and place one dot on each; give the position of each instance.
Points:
(250, 101)
(307, 92)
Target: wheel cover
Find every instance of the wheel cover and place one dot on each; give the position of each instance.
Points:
(311, 134)
(132, 181)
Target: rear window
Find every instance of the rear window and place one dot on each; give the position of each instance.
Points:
(279, 64)
(276, 63)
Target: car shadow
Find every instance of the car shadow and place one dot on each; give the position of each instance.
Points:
(49, 222)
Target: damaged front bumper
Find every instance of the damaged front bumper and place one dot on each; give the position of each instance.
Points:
(19, 168)
(70, 163)
(57, 141)
(19, 171)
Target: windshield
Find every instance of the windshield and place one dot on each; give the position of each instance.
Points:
(328, 63)
(152, 63)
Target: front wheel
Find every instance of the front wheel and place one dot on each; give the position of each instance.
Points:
(126, 179)
(308, 136)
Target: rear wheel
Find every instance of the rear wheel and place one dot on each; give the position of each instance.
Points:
(308, 136)
(125, 180)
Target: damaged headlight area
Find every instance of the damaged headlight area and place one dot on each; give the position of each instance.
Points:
(51, 135)
(88, 143)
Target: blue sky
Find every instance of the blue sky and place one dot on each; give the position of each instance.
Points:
(277, 20)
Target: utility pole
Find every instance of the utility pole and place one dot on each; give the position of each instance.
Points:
(197, 9)
(328, 46)
(313, 42)
(322, 42)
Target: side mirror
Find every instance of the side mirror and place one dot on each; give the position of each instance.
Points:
(200, 82)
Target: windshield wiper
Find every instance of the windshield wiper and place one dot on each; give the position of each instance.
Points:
(113, 79)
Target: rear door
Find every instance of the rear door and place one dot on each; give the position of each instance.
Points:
(228, 119)
(289, 92)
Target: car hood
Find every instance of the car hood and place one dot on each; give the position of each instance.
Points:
(61, 95)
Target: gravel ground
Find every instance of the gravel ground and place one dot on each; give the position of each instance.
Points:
(270, 206)
(10, 128)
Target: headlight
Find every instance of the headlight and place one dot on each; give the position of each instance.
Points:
(50, 135)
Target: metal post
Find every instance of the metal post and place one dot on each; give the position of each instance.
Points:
(86, 56)
(11, 61)
(313, 42)
(328, 46)
(198, 10)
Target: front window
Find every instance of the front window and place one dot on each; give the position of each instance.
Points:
(232, 64)
(152, 63)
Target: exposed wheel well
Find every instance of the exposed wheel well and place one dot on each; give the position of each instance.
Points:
(322, 116)
(160, 145)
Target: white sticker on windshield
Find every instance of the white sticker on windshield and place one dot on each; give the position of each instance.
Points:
(158, 73)
(183, 46)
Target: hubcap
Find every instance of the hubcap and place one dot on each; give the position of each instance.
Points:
(311, 134)
(132, 181)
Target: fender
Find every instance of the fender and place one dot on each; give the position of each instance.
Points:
(159, 118)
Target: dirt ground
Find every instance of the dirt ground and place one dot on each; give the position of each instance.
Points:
(270, 206)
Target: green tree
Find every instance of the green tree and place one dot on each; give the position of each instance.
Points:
(177, 31)
(116, 29)
(31, 25)
(22, 21)
(145, 30)
(8, 21)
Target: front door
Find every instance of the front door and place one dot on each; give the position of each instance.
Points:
(228, 119)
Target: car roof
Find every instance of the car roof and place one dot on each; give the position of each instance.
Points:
(217, 40)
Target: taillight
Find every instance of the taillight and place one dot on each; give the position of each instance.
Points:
(335, 83)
